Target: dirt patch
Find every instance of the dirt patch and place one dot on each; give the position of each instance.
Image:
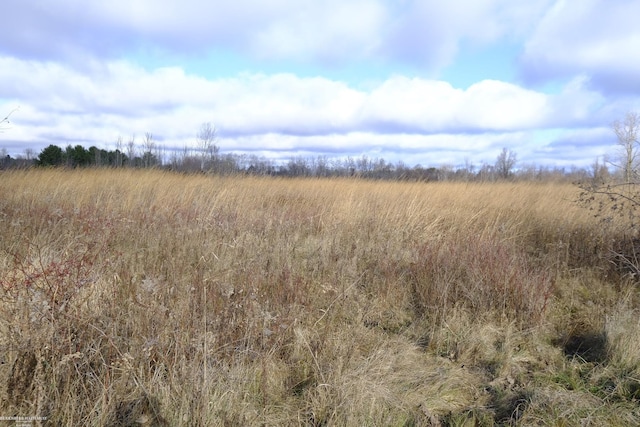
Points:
(589, 346)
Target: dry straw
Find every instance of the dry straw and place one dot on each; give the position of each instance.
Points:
(156, 298)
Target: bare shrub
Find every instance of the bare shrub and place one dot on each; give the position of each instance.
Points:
(483, 274)
(615, 202)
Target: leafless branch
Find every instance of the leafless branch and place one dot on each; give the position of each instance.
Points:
(5, 121)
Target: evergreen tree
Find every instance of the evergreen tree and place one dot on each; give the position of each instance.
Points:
(50, 156)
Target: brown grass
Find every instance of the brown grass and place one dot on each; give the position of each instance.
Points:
(150, 298)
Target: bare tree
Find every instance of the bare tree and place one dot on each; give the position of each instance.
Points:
(206, 138)
(468, 170)
(5, 158)
(147, 150)
(599, 172)
(627, 132)
(505, 163)
(29, 154)
(186, 152)
(159, 154)
(119, 151)
(131, 150)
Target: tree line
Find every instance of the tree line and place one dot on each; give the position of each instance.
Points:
(212, 161)
(205, 157)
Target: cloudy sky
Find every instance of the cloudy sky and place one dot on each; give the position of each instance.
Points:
(426, 82)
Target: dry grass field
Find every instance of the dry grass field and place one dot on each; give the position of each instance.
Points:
(140, 298)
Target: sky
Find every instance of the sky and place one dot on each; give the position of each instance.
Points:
(426, 82)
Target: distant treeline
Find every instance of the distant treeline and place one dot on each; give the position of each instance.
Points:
(211, 161)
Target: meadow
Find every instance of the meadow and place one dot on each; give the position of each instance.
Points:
(142, 297)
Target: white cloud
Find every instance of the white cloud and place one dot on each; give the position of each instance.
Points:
(431, 32)
(590, 142)
(425, 33)
(63, 63)
(578, 104)
(593, 37)
(503, 106)
(305, 29)
(343, 30)
(432, 106)
(416, 105)
(281, 113)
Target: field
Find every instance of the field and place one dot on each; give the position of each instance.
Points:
(132, 297)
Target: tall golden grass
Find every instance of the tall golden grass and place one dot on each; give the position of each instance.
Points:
(131, 297)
